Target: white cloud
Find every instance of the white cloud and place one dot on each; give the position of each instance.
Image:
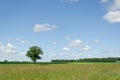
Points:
(54, 43)
(112, 16)
(111, 51)
(23, 53)
(52, 55)
(104, 1)
(86, 48)
(113, 11)
(65, 49)
(67, 37)
(77, 55)
(44, 27)
(72, 1)
(75, 43)
(78, 44)
(116, 5)
(97, 41)
(23, 41)
(9, 52)
(1, 46)
(61, 54)
(9, 48)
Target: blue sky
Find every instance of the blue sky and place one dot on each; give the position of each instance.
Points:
(64, 29)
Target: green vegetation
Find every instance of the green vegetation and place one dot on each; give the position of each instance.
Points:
(34, 53)
(90, 60)
(68, 71)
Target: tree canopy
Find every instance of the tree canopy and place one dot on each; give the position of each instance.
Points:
(34, 53)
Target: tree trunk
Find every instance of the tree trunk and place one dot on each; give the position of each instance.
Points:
(34, 61)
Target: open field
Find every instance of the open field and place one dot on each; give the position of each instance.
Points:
(71, 71)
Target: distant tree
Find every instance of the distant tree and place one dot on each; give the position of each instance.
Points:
(5, 61)
(34, 53)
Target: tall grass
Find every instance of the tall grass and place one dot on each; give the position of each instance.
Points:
(83, 71)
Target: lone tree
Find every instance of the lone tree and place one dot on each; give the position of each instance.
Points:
(34, 53)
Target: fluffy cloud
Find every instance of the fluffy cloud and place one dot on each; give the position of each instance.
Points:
(86, 48)
(9, 48)
(44, 27)
(75, 43)
(78, 44)
(52, 55)
(62, 56)
(23, 41)
(113, 11)
(1, 46)
(67, 37)
(77, 55)
(65, 49)
(23, 53)
(116, 5)
(111, 51)
(9, 52)
(112, 16)
(54, 43)
(97, 41)
(104, 1)
(72, 1)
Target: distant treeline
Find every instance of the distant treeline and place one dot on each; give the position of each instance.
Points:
(25, 62)
(90, 60)
(14, 62)
(117, 59)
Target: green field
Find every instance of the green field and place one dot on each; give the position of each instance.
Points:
(71, 71)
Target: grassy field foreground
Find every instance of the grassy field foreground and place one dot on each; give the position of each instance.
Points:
(82, 71)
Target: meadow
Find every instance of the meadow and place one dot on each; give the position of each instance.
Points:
(68, 71)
